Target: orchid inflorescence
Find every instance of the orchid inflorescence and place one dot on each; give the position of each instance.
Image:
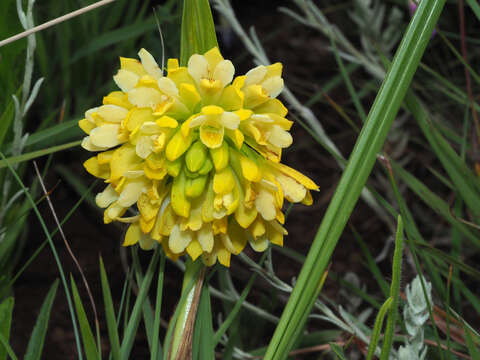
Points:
(194, 156)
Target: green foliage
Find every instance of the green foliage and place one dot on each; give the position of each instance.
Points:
(198, 31)
(37, 340)
(6, 309)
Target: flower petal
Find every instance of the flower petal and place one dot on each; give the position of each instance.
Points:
(255, 75)
(197, 67)
(105, 136)
(179, 240)
(149, 64)
(224, 72)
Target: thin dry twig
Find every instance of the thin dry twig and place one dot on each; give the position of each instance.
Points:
(67, 245)
(54, 21)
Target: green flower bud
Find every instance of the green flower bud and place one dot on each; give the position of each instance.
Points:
(195, 187)
(196, 156)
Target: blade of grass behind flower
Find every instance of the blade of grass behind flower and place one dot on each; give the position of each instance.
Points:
(198, 30)
(134, 320)
(361, 161)
(54, 251)
(377, 327)
(203, 345)
(110, 313)
(147, 311)
(35, 154)
(348, 83)
(433, 201)
(113, 37)
(36, 342)
(463, 178)
(91, 351)
(475, 7)
(472, 348)
(6, 310)
(8, 349)
(157, 352)
(394, 292)
(338, 351)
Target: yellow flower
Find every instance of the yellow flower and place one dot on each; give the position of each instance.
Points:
(191, 159)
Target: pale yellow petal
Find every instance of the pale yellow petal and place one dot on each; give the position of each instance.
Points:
(197, 67)
(255, 75)
(112, 113)
(131, 192)
(179, 240)
(105, 136)
(273, 86)
(149, 64)
(167, 86)
(106, 197)
(145, 97)
(126, 80)
(265, 205)
(224, 72)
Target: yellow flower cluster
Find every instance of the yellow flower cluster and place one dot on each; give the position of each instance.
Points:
(192, 159)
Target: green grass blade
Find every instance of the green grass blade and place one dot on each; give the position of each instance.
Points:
(361, 161)
(35, 154)
(463, 178)
(198, 30)
(6, 310)
(203, 346)
(54, 251)
(394, 292)
(472, 348)
(475, 8)
(434, 202)
(8, 349)
(6, 119)
(89, 345)
(135, 316)
(156, 352)
(113, 37)
(338, 351)
(35, 345)
(377, 328)
(110, 313)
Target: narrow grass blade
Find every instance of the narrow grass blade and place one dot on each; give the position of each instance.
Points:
(377, 328)
(463, 178)
(203, 345)
(433, 201)
(198, 30)
(338, 351)
(35, 345)
(361, 161)
(135, 316)
(35, 154)
(89, 345)
(471, 346)
(110, 313)
(394, 292)
(54, 251)
(6, 310)
(8, 349)
(6, 119)
(156, 352)
(475, 7)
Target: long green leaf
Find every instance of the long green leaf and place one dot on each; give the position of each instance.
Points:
(89, 345)
(203, 345)
(35, 345)
(135, 316)
(110, 313)
(394, 291)
(6, 309)
(35, 154)
(475, 7)
(377, 327)
(198, 30)
(361, 161)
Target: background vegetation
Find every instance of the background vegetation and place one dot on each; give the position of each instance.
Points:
(411, 243)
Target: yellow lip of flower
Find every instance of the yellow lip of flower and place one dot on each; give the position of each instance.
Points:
(212, 122)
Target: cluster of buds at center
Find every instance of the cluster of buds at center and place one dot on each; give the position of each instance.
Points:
(192, 159)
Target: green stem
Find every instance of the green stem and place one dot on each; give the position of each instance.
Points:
(369, 143)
